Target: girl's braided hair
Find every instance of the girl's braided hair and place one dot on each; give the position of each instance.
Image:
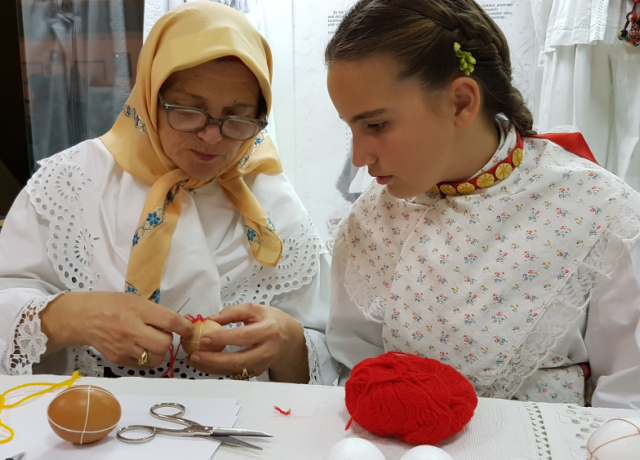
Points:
(420, 35)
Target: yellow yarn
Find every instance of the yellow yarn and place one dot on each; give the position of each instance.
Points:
(3, 398)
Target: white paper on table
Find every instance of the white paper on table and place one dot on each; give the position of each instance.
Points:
(35, 437)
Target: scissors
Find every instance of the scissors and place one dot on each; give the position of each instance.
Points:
(193, 429)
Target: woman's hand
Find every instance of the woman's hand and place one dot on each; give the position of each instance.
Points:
(119, 325)
(273, 340)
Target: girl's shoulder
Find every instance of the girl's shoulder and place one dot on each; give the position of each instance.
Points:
(564, 152)
(555, 163)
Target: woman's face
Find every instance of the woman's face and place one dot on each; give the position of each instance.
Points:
(221, 88)
(405, 143)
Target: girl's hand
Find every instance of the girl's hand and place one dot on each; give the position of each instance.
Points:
(119, 325)
(273, 340)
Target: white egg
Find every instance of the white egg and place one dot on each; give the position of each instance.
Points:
(426, 453)
(618, 439)
(354, 449)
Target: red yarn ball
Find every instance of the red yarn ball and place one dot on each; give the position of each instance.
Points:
(417, 400)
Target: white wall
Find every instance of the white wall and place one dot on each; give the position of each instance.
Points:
(278, 16)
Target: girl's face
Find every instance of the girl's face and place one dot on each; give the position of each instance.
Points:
(405, 141)
(220, 88)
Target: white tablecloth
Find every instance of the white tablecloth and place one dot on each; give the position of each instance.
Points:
(499, 430)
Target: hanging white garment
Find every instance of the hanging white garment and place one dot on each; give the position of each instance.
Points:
(588, 78)
(497, 283)
(70, 229)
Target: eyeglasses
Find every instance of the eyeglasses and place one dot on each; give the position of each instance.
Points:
(192, 120)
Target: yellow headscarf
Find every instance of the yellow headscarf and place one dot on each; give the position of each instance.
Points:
(189, 35)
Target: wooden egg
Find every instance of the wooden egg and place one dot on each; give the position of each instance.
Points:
(83, 414)
(192, 343)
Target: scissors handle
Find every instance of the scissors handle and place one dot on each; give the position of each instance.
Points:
(175, 417)
(150, 429)
(153, 430)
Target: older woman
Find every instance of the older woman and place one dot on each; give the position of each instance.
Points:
(184, 200)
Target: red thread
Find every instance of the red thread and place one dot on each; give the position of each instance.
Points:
(281, 411)
(196, 318)
(348, 424)
(172, 361)
(417, 400)
(170, 371)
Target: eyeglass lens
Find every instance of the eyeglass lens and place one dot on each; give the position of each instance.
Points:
(191, 120)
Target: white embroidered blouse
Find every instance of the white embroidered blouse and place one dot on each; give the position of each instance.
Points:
(514, 284)
(71, 229)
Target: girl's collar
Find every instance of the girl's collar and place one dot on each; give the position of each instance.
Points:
(507, 157)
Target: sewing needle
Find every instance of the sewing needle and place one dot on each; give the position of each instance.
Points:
(184, 304)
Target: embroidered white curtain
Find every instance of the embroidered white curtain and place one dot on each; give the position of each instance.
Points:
(78, 63)
(587, 78)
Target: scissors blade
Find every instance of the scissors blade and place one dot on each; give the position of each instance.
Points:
(230, 440)
(215, 431)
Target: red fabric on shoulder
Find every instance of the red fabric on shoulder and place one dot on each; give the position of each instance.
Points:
(573, 142)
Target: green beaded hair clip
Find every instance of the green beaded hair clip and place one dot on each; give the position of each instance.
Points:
(467, 61)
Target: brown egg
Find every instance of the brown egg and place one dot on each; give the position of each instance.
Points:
(84, 414)
(192, 343)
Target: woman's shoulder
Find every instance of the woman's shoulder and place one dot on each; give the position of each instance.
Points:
(89, 155)
(69, 177)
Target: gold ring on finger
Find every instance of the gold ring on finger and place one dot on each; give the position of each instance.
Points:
(246, 374)
(144, 359)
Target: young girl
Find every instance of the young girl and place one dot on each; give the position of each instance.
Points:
(512, 257)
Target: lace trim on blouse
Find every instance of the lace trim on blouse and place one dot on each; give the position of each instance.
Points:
(29, 341)
(297, 267)
(54, 191)
(315, 370)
